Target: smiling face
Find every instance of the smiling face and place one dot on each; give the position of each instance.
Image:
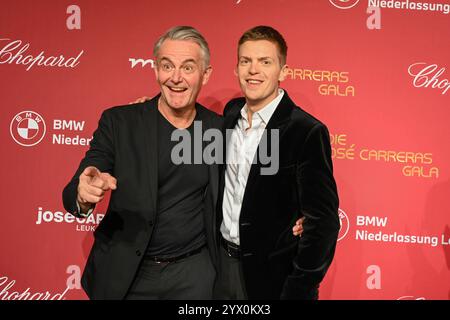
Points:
(259, 71)
(180, 72)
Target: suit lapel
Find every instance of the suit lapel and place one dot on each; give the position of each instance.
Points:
(229, 123)
(278, 121)
(209, 212)
(149, 115)
(232, 117)
(207, 123)
(282, 113)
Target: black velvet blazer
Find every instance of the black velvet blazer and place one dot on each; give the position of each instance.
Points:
(275, 263)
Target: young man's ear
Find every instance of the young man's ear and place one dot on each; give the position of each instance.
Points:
(283, 73)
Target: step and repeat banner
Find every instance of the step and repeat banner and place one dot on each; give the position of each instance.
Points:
(376, 72)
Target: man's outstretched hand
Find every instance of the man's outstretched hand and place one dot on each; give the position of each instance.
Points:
(92, 187)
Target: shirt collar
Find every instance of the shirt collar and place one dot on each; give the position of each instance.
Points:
(267, 111)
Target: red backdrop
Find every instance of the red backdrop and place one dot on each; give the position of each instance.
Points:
(376, 76)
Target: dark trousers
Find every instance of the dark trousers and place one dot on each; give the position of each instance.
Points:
(191, 278)
(230, 281)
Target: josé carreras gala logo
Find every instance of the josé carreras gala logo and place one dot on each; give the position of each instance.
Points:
(27, 128)
(344, 4)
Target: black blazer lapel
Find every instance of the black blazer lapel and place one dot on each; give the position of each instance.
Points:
(209, 123)
(149, 116)
(232, 117)
(211, 194)
(278, 121)
(230, 120)
(282, 113)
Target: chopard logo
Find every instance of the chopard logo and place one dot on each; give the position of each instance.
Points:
(411, 298)
(14, 52)
(6, 292)
(429, 75)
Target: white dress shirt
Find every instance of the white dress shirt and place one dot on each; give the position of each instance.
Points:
(240, 153)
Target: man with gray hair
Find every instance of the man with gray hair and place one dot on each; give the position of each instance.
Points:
(156, 240)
